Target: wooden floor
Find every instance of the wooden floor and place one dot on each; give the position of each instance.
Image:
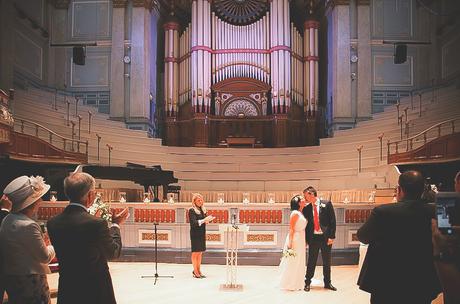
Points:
(260, 285)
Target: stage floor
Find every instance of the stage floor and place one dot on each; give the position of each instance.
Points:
(260, 285)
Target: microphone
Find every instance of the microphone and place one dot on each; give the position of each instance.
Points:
(233, 221)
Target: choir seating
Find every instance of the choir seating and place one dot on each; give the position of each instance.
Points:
(332, 166)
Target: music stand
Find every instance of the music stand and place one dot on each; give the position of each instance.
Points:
(156, 276)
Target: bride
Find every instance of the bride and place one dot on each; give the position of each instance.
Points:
(292, 264)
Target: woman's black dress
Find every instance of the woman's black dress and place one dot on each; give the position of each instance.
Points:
(197, 232)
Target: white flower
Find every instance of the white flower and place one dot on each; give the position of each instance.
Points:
(322, 205)
(101, 207)
(37, 182)
(289, 253)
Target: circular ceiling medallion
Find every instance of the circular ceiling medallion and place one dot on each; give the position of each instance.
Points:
(240, 12)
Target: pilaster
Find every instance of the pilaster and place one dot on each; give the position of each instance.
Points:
(364, 76)
(139, 101)
(117, 72)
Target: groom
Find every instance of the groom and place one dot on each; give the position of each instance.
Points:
(319, 235)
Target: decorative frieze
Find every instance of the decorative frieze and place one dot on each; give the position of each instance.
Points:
(147, 237)
(119, 3)
(260, 238)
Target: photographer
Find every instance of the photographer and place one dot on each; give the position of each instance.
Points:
(446, 253)
(398, 267)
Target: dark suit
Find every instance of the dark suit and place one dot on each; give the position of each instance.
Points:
(317, 242)
(399, 261)
(83, 244)
(3, 214)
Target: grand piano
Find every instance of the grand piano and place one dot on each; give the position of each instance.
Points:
(145, 176)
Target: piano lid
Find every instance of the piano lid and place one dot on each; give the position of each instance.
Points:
(139, 174)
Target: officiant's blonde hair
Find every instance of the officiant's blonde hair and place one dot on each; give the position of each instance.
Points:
(194, 206)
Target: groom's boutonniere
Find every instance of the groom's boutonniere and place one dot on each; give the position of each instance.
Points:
(322, 205)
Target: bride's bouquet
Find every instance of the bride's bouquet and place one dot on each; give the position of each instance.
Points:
(100, 209)
(287, 253)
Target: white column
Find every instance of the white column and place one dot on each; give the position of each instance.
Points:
(117, 67)
(140, 65)
(364, 62)
(339, 90)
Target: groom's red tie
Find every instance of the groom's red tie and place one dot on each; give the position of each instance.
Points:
(316, 218)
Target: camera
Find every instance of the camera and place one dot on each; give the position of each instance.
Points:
(447, 211)
(43, 227)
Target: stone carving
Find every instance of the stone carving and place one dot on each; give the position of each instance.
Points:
(213, 237)
(147, 236)
(217, 102)
(264, 104)
(240, 12)
(6, 117)
(241, 108)
(260, 238)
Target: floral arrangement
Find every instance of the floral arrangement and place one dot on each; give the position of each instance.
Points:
(100, 209)
(6, 116)
(287, 253)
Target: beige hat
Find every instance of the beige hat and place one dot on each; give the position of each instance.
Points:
(24, 191)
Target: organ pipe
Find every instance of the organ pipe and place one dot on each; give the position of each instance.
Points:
(272, 50)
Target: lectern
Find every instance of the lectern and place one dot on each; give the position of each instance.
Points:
(231, 254)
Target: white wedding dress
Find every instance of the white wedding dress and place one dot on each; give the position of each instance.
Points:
(293, 268)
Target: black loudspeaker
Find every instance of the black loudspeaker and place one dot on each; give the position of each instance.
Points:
(400, 55)
(79, 55)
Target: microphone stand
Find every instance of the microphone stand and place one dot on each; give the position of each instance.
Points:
(156, 276)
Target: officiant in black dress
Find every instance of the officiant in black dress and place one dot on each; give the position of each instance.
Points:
(198, 219)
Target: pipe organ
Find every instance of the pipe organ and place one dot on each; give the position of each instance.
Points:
(237, 62)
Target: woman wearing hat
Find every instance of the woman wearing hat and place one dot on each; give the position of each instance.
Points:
(22, 246)
(198, 219)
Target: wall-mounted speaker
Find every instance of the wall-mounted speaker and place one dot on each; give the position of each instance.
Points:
(400, 55)
(79, 55)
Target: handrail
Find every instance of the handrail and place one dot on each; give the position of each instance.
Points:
(432, 88)
(110, 148)
(380, 137)
(410, 140)
(37, 126)
(359, 149)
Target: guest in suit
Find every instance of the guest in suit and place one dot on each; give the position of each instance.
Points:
(5, 205)
(457, 182)
(198, 219)
(398, 267)
(446, 253)
(319, 235)
(83, 245)
(25, 253)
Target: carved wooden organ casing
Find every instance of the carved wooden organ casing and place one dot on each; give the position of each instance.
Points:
(239, 61)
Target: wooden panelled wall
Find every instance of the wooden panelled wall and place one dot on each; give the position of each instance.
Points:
(279, 130)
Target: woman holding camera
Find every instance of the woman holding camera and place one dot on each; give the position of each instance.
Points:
(198, 219)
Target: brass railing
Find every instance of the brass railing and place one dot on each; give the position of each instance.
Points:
(411, 143)
(26, 126)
